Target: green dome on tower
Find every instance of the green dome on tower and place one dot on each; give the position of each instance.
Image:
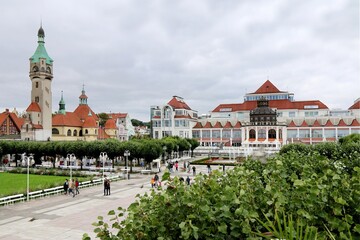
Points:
(41, 50)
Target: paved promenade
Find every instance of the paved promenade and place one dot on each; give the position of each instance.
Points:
(65, 217)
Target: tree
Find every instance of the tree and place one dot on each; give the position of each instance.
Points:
(103, 117)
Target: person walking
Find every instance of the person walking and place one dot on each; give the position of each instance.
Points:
(77, 186)
(71, 187)
(156, 180)
(108, 187)
(194, 170)
(66, 186)
(176, 165)
(105, 186)
(188, 180)
(209, 168)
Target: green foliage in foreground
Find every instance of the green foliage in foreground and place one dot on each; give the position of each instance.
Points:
(12, 183)
(319, 192)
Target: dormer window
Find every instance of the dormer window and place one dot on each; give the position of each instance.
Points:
(35, 69)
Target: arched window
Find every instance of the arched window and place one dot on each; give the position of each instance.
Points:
(69, 132)
(35, 69)
(48, 70)
(252, 133)
(86, 131)
(55, 131)
(80, 133)
(75, 133)
(272, 133)
(262, 133)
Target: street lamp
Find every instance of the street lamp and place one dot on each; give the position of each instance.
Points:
(28, 162)
(103, 156)
(127, 154)
(177, 151)
(189, 150)
(69, 158)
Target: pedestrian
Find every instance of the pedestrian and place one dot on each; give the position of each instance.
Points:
(108, 187)
(188, 167)
(177, 165)
(105, 186)
(194, 170)
(77, 187)
(71, 187)
(209, 168)
(66, 186)
(188, 180)
(156, 180)
(152, 182)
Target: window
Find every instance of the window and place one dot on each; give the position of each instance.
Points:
(272, 133)
(316, 133)
(75, 133)
(304, 133)
(206, 134)
(69, 132)
(226, 134)
(291, 114)
(237, 133)
(196, 133)
(86, 131)
(343, 132)
(37, 99)
(252, 133)
(262, 133)
(216, 133)
(55, 131)
(311, 113)
(37, 84)
(330, 133)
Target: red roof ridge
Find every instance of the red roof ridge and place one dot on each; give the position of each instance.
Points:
(292, 124)
(217, 125)
(316, 124)
(355, 123)
(33, 107)
(198, 125)
(304, 124)
(207, 125)
(267, 87)
(342, 123)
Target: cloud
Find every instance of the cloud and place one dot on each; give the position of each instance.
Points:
(134, 54)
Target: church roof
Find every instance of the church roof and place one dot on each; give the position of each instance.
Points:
(18, 122)
(68, 119)
(90, 122)
(83, 111)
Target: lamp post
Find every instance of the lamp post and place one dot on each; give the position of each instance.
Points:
(177, 151)
(127, 154)
(103, 156)
(70, 157)
(29, 160)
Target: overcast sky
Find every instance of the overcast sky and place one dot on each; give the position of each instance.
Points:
(133, 54)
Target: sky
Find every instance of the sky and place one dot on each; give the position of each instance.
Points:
(133, 54)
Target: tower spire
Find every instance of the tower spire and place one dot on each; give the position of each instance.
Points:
(62, 104)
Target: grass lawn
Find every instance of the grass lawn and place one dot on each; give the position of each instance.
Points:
(15, 183)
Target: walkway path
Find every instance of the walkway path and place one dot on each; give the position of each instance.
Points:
(65, 217)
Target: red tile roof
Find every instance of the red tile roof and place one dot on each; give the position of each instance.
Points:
(83, 111)
(37, 126)
(177, 104)
(18, 122)
(33, 107)
(68, 119)
(217, 125)
(292, 124)
(117, 115)
(207, 125)
(198, 125)
(356, 105)
(341, 123)
(316, 124)
(304, 124)
(102, 134)
(355, 123)
(227, 125)
(182, 116)
(267, 87)
(237, 125)
(110, 124)
(278, 104)
(89, 122)
(328, 123)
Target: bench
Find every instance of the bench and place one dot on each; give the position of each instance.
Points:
(12, 199)
(145, 171)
